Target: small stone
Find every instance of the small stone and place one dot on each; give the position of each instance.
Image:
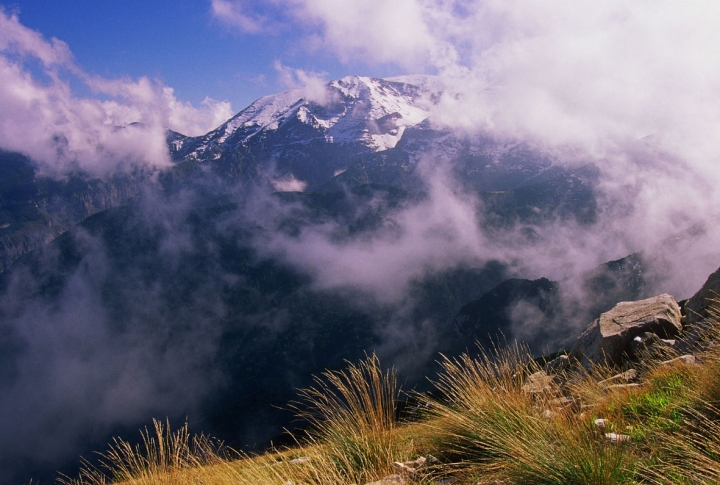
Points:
(601, 424)
(538, 383)
(302, 459)
(688, 359)
(412, 466)
(557, 365)
(643, 342)
(615, 438)
(403, 467)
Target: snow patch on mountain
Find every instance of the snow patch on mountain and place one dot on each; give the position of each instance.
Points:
(357, 110)
(264, 114)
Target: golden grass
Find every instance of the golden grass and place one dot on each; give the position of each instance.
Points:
(487, 425)
(493, 426)
(352, 414)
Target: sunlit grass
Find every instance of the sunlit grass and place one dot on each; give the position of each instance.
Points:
(353, 414)
(492, 426)
(486, 425)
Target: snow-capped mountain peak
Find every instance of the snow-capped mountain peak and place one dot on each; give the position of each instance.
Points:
(352, 110)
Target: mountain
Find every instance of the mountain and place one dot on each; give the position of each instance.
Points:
(178, 293)
(36, 209)
(357, 111)
(357, 131)
(311, 137)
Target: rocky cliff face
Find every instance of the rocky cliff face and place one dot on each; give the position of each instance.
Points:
(35, 209)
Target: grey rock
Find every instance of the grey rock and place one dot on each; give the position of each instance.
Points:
(607, 339)
(696, 336)
(601, 425)
(622, 378)
(557, 365)
(698, 307)
(411, 466)
(683, 359)
(616, 438)
(539, 382)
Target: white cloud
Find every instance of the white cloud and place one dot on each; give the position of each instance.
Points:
(437, 233)
(248, 19)
(15, 37)
(311, 85)
(188, 120)
(377, 31)
(289, 184)
(42, 118)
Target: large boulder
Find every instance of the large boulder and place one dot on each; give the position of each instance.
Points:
(608, 339)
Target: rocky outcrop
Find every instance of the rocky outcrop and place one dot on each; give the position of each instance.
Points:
(608, 339)
(697, 308)
(35, 209)
(492, 314)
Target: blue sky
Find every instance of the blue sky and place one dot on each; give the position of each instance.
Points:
(182, 44)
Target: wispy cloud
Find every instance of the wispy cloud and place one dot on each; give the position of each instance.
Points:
(123, 126)
(249, 18)
(311, 85)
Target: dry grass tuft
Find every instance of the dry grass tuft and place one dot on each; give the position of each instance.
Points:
(492, 425)
(352, 415)
(162, 457)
